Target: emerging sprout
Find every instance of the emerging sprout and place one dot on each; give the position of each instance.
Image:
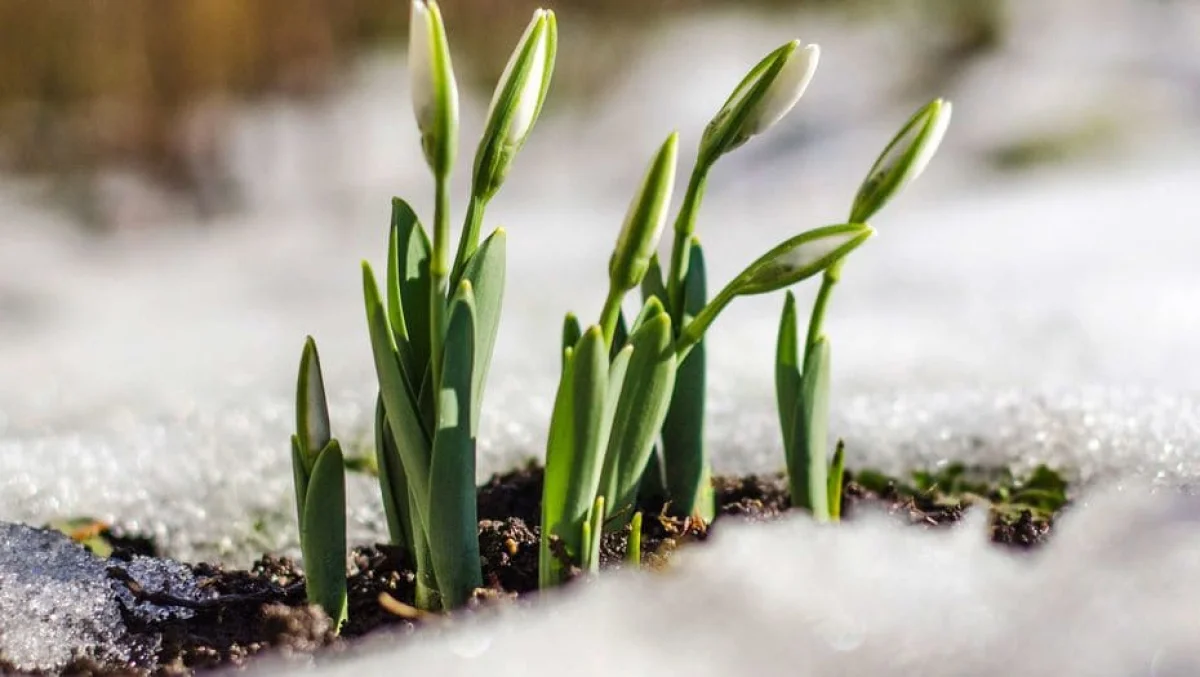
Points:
(434, 90)
(318, 476)
(762, 98)
(903, 160)
(516, 102)
(645, 219)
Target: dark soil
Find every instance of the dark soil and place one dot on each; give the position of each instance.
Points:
(264, 608)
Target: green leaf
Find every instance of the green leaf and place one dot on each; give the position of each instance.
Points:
(652, 283)
(590, 432)
(620, 336)
(787, 377)
(645, 394)
(593, 536)
(312, 412)
(323, 534)
(571, 332)
(685, 457)
(300, 475)
(485, 270)
(633, 552)
(412, 440)
(837, 474)
(408, 283)
(453, 526)
(560, 456)
(393, 483)
(810, 484)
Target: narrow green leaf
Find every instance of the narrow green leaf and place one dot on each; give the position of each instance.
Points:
(685, 463)
(300, 476)
(392, 480)
(837, 474)
(787, 376)
(590, 388)
(652, 283)
(810, 486)
(312, 412)
(560, 457)
(620, 336)
(633, 553)
(412, 440)
(644, 397)
(595, 524)
(408, 284)
(571, 332)
(453, 526)
(323, 534)
(486, 271)
(653, 486)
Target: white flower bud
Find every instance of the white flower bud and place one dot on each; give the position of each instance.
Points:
(763, 97)
(903, 160)
(644, 222)
(434, 89)
(800, 257)
(516, 102)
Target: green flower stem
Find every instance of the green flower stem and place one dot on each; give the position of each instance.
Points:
(470, 235)
(832, 274)
(610, 314)
(438, 269)
(694, 331)
(685, 225)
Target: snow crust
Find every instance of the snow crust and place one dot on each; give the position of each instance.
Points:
(59, 604)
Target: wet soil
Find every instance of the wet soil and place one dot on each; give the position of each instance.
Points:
(263, 609)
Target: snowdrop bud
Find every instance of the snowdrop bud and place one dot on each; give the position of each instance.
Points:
(800, 257)
(903, 160)
(434, 90)
(645, 219)
(763, 97)
(312, 413)
(516, 102)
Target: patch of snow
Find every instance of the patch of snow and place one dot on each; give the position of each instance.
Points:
(58, 603)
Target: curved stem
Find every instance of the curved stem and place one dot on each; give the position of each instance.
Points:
(610, 314)
(470, 236)
(690, 335)
(832, 274)
(685, 225)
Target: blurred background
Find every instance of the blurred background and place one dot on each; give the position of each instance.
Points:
(185, 186)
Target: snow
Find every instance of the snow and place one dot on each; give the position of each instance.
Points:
(59, 604)
(1048, 317)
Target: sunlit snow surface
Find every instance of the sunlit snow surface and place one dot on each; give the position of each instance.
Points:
(1048, 319)
(58, 602)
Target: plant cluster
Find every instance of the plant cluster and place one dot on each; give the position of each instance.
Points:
(628, 416)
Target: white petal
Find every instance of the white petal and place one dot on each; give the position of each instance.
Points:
(930, 145)
(527, 99)
(810, 252)
(420, 65)
(785, 91)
